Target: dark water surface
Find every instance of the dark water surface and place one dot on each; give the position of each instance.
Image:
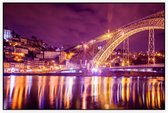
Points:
(74, 92)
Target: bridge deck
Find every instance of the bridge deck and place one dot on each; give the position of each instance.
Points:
(140, 66)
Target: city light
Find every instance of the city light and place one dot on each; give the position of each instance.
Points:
(94, 70)
(98, 59)
(158, 54)
(99, 47)
(68, 71)
(123, 64)
(108, 35)
(13, 70)
(29, 70)
(85, 46)
(88, 59)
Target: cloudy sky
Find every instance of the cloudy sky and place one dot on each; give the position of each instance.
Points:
(71, 24)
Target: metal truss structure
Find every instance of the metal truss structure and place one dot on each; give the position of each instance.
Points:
(151, 47)
(114, 38)
(126, 49)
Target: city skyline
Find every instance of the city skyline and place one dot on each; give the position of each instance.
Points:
(57, 28)
(83, 56)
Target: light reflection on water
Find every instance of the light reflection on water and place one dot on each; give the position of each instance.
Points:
(73, 92)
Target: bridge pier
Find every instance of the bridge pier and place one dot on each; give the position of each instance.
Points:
(151, 47)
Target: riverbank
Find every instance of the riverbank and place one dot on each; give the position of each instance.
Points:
(108, 73)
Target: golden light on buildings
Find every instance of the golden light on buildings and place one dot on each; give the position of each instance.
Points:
(69, 55)
(158, 54)
(18, 54)
(21, 54)
(123, 64)
(16, 57)
(128, 62)
(105, 91)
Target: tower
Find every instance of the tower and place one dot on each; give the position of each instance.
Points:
(126, 51)
(151, 47)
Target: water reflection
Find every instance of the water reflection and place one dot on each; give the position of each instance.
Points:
(73, 92)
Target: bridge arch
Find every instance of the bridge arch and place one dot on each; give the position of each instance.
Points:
(125, 32)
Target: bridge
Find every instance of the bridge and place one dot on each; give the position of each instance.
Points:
(140, 66)
(133, 70)
(113, 38)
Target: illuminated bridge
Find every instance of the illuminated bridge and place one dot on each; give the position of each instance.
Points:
(138, 68)
(117, 36)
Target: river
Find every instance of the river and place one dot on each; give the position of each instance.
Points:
(83, 92)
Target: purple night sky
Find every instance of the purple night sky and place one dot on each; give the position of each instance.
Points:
(71, 24)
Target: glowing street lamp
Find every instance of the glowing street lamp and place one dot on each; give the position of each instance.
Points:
(85, 46)
(108, 33)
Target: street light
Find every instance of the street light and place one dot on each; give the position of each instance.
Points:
(85, 46)
(108, 33)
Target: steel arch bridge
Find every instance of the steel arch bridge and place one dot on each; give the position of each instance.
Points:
(114, 38)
